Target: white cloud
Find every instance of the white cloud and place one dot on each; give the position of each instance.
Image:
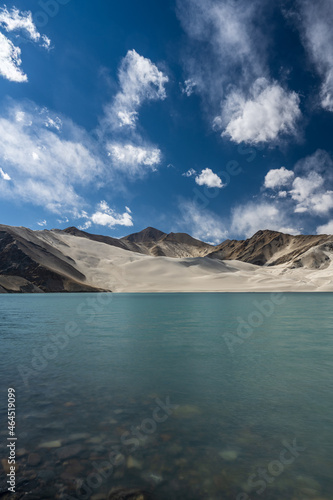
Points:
(249, 218)
(232, 38)
(105, 216)
(4, 175)
(326, 228)
(201, 223)
(227, 59)
(304, 187)
(10, 61)
(277, 178)
(312, 188)
(269, 112)
(209, 179)
(10, 55)
(140, 80)
(42, 223)
(15, 20)
(189, 86)
(134, 160)
(46, 166)
(63, 221)
(307, 191)
(53, 123)
(189, 173)
(315, 22)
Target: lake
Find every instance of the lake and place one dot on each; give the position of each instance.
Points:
(183, 396)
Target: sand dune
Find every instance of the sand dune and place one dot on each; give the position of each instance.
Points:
(35, 261)
(118, 270)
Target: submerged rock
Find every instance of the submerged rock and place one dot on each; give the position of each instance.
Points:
(126, 494)
(152, 478)
(79, 436)
(69, 451)
(229, 455)
(95, 440)
(34, 459)
(175, 449)
(133, 463)
(50, 444)
(5, 465)
(46, 475)
(22, 452)
(186, 411)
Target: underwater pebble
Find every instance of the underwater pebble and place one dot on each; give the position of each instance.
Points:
(5, 465)
(46, 475)
(309, 491)
(229, 455)
(95, 440)
(308, 482)
(175, 449)
(186, 411)
(132, 463)
(22, 452)
(50, 444)
(126, 494)
(78, 436)
(34, 459)
(152, 477)
(69, 451)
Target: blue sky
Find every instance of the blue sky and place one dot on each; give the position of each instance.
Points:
(212, 118)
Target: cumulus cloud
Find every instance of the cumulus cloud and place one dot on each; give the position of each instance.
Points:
(251, 217)
(209, 179)
(269, 112)
(134, 160)
(310, 185)
(10, 55)
(315, 22)
(45, 165)
(228, 45)
(277, 178)
(326, 228)
(42, 223)
(201, 223)
(307, 192)
(140, 80)
(106, 216)
(307, 189)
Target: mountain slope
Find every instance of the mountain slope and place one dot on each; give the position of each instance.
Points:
(269, 248)
(153, 242)
(75, 261)
(30, 263)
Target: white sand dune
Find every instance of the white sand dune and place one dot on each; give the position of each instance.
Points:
(119, 270)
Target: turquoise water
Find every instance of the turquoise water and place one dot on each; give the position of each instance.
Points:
(158, 392)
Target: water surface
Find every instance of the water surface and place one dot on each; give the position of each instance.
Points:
(161, 386)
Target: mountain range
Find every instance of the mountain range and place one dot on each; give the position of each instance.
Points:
(72, 260)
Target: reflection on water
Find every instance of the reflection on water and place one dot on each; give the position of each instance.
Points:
(140, 396)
